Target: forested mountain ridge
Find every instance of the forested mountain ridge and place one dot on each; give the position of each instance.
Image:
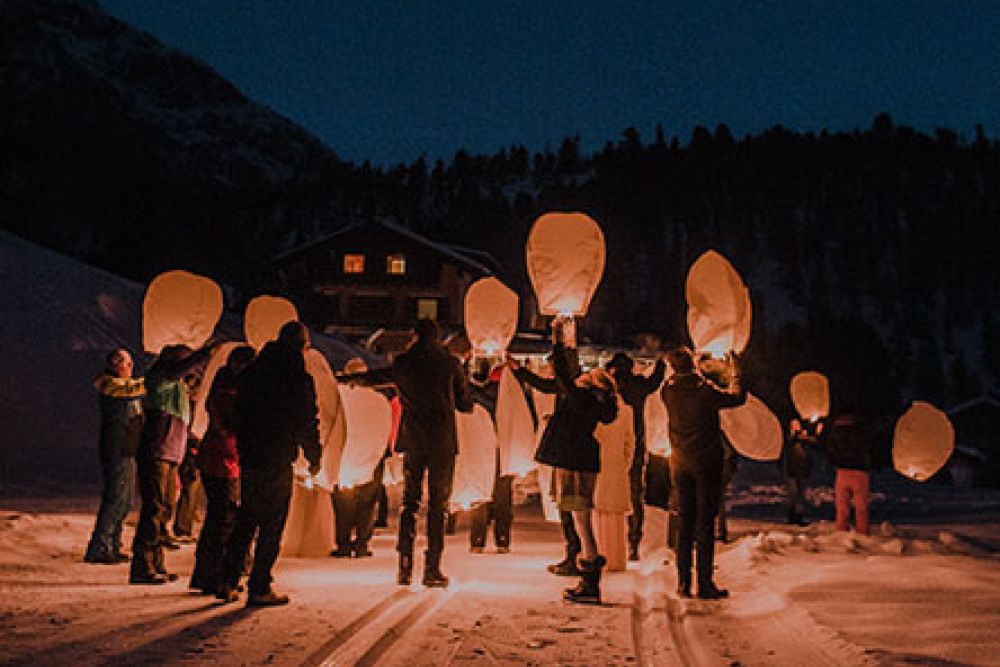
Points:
(872, 249)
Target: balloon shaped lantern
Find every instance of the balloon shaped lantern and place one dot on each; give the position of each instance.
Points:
(332, 429)
(565, 257)
(515, 428)
(475, 465)
(180, 308)
(923, 441)
(199, 422)
(811, 395)
(753, 430)
(490, 316)
(657, 424)
(369, 420)
(264, 317)
(719, 308)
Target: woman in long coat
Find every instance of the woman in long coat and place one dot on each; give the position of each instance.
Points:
(612, 495)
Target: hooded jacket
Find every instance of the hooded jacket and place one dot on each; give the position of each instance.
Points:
(431, 386)
(121, 415)
(276, 411)
(693, 406)
(568, 440)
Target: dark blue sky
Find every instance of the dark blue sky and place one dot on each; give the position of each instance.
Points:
(389, 81)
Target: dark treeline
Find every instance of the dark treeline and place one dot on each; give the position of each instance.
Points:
(868, 254)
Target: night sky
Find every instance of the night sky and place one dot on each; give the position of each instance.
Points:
(389, 81)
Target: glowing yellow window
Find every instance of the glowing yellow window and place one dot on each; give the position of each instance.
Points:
(354, 263)
(395, 265)
(427, 309)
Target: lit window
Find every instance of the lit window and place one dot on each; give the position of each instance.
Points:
(354, 263)
(427, 309)
(395, 265)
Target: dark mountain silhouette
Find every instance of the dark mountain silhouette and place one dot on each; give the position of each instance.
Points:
(870, 254)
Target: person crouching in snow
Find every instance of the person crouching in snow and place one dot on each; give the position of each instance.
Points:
(121, 423)
(161, 448)
(569, 446)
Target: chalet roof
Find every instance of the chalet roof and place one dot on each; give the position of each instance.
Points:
(457, 253)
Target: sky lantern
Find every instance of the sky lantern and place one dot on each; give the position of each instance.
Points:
(199, 422)
(180, 308)
(545, 404)
(922, 442)
(264, 317)
(753, 430)
(475, 465)
(656, 421)
(565, 257)
(810, 395)
(368, 419)
(515, 427)
(490, 316)
(332, 428)
(719, 307)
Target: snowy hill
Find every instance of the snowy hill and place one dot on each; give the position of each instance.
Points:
(60, 318)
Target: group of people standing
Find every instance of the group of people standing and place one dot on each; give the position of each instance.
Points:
(263, 412)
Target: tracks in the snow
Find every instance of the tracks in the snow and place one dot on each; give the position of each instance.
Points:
(373, 634)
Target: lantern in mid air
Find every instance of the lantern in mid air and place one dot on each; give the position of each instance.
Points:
(515, 427)
(180, 308)
(922, 442)
(753, 430)
(369, 420)
(490, 316)
(264, 317)
(475, 465)
(719, 307)
(810, 395)
(565, 257)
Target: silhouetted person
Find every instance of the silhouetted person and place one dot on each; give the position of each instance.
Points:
(795, 461)
(696, 460)
(276, 417)
(634, 390)
(432, 386)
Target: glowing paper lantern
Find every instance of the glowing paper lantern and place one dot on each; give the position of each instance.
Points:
(753, 430)
(810, 395)
(657, 424)
(180, 308)
(718, 306)
(199, 422)
(545, 404)
(369, 420)
(393, 470)
(490, 316)
(309, 527)
(475, 465)
(922, 442)
(565, 257)
(264, 317)
(332, 428)
(515, 428)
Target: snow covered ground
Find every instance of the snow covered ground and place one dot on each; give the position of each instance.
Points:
(924, 590)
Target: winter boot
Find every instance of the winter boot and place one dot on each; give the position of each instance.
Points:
(565, 568)
(588, 590)
(710, 591)
(405, 570)
(433, 577)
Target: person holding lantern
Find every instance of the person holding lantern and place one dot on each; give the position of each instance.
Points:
(569, 446)
(432, 386)
(499, 509)
(218, 463)
(276, 416)
(795, 459)
(634, 390)
(162, 445)
(693, 405)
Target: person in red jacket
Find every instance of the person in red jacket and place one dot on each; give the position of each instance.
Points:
(219, 464)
